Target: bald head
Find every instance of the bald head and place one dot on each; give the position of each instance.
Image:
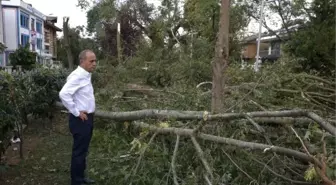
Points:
(82, 55)
(87, 60)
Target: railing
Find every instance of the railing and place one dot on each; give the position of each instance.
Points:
(10, 69)
(265, 53)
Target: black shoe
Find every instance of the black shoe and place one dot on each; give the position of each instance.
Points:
(88, 181)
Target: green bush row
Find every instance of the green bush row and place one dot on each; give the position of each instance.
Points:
(27, 93)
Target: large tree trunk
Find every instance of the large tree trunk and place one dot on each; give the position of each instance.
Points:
(119, 45)
(1, 27)
(67, 43)
(221, 58)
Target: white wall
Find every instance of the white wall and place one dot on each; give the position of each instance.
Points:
(24, 6)
(11, 2)
(10, 28)
(2, 56)
(37, 15)
(1, 24)
(29, 32)
(27, 7)
(38, 35)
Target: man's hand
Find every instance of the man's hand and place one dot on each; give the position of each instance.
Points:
(82, 115)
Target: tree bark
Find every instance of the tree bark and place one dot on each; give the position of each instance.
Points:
(67, 42)
(241, 144)
(119, 44)
(199, 115)
(221, 59)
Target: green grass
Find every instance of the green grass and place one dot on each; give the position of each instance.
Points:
(110, 161)
(47, 156)
(48, 152)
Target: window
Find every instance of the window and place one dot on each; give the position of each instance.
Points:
(46, 49)
(39, 43)
(33, 47)
(39, 26)
(46, 37)
(33, 43)
(1, 59)
(32, 24)
(24, 20)
(24, 40)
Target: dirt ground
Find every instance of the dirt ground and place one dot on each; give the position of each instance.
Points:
(46, 149)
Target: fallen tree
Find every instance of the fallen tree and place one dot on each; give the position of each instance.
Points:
(199, 115)
(205, 118)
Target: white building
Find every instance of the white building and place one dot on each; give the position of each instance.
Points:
(23, 25)
(1, 35)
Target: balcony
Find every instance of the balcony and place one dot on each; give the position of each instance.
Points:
(46, 37)
(275, 53)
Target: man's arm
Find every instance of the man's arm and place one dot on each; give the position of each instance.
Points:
(68, 90)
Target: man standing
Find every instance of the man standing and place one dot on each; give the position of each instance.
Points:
(78, 97)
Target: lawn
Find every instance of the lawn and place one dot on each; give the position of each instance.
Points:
(47, 154)
(47, 151)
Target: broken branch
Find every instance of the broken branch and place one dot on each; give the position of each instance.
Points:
(174, 159)
(223, 140)
(198, 115)
(201, 156)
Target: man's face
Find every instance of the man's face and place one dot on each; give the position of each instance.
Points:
(90, 62)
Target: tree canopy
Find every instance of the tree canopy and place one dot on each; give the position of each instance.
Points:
(181, 59)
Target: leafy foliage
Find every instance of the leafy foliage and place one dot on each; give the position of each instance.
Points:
(2, 47)
(29, 93)
(318, 52)
(276, 87)
(202, 17)
(165, 68)
(24, 57)
(103, 19)
(77, 44)
(282, 14)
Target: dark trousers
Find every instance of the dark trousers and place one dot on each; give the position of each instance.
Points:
(82, 133)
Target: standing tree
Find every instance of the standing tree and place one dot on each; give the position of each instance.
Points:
(318, 52)
(77, 43)
(221, 58)
(282, 14)
(67, 42)
(24, 57)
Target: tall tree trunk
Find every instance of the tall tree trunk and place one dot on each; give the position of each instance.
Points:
(221, 58)
(67, 43)
(1, 26)
(119, 45)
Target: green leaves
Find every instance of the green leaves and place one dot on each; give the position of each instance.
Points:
(24, 57)
(32, 92)
(310, 174)
(317, 52)
(2, 47)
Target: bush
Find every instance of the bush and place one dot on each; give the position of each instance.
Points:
(33, 92)
(24, 57)
(275, 87)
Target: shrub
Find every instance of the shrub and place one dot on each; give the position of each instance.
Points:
(33, 92)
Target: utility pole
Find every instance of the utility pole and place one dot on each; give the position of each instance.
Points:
(2, 62)
(258, 61)
(119, 44)
(67, 42)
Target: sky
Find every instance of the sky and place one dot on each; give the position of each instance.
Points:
(61, 8)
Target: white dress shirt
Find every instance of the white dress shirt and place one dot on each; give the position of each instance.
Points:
(77, 93)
